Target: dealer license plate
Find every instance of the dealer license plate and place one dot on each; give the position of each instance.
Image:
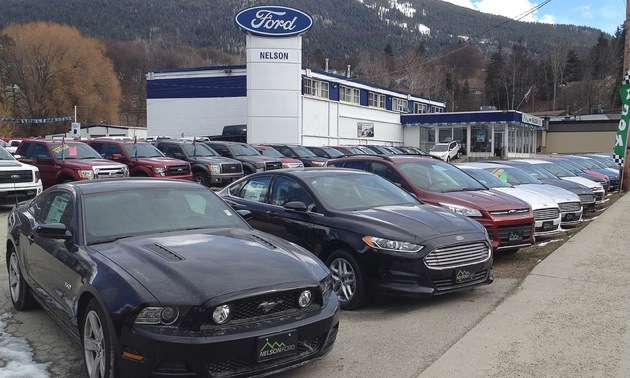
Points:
(570, 217)
(515, 236)
(548, 225)
(464, 275)
(276, 346)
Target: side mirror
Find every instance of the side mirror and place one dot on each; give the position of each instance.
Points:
(296, 206)
(246, 214)
(179, 155)
(118, 157)
(54, 231)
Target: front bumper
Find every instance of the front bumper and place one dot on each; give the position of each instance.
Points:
(224, 179)
(232, 355)
(547, 227)
(19, 192)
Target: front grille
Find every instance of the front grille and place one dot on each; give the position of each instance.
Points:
(457, 255)
(449, 283)
(231, 168)
(10, 177)
(599, 196)
(505, 233)
(103, 173)
(490, 233)
(510, 212)
(587, 198)
(570, 206)
(543, 214)
(253, 309)
(270, 165)
(178, 170)
(248, 364)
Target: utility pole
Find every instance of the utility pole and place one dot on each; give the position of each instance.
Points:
(625, 185)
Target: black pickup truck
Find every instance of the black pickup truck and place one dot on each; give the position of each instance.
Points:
(232, 133)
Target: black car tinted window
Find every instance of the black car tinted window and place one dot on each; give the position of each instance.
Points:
(255, 189)
(286, 190)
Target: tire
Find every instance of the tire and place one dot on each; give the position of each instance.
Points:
(21, 295)
(201, 178)
(448, 159)
(349, 282)
(98, 341)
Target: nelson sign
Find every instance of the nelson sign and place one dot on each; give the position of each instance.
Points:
(273, 21)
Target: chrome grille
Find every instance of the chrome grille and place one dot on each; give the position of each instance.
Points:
(587, 198)
(570, 206)
(550, 213)
(273, 165)
(231, 168)
(10, 177)
(178, 170)
(510, 212)
(457, 255)
(103, 173)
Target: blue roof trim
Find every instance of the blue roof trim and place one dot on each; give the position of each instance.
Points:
(195, 69)
(201, 87)
(510, 117)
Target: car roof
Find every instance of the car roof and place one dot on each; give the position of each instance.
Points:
(308, 172)
(478, 165)
(128, 183)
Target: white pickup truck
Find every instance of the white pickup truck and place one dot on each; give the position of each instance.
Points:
(18, 181)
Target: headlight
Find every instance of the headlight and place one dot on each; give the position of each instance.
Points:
(86, 174)
(318, 163)
(260, 165)
(392, 245)
(305, 299)
(222, 314)
(160, 171)
(326, 284)
(214, 168)
(158, 315)
(462, 210)
(37, 177)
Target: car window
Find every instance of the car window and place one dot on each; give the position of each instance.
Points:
(98, 146)
(439, 177)
(112, 149)
(24, 151)
(254, 189)
(387, 172)
(39, 150)
(286, 190)
(74, 151)
(58, 208)
(362, 165)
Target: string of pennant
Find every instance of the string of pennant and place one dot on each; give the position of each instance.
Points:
(37, 120)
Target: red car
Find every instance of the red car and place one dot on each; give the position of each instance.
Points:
(508, 220)
(142, 158)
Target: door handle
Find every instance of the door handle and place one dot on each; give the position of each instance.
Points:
(272, 214)
(31, 239)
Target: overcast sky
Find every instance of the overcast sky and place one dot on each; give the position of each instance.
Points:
(605, 15)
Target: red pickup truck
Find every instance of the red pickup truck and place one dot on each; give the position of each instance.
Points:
(62, 161)
(142, 158)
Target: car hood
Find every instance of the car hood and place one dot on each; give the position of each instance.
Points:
(94, 163)
(213, 160)
(558, 194)
(159, 160)
(418, 223)
(536, 199)
(192, 267)
(568, 185)
(483, 200)
(256, 158)
(584, 181)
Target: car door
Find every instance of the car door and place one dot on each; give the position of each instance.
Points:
(47, 257)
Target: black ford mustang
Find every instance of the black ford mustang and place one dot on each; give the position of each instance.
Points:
(160, 277)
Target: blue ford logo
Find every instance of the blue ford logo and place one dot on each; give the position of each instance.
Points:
(273, 21)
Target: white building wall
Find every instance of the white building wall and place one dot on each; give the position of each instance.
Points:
(194, 116)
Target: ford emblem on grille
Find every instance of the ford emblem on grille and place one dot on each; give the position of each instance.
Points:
(268, 306)
(512, 212)
(459, 238)
(15, 177)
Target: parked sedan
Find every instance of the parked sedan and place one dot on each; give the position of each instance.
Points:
(159, 277)
(374, 236)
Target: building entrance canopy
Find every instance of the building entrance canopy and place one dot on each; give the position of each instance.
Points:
(484, 134)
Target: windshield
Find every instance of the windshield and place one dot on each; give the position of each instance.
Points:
(437, 176)
(536, 172)
(74, 151)
(123, 213)
(5, 155)
(332, 152)
(486, 178)
(271, 152)
(556, 170)
(303, 152)
(605, 162)
(513, 176)
(243, 150)
(349, 191)
(569, 165)
(142, 150)
(198, 149)
(439, 148)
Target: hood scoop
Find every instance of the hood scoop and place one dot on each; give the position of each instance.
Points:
(163, 252)
(264, 242)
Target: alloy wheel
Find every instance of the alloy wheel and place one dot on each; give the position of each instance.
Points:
(94, 346)
(14, 277)
(344, 279)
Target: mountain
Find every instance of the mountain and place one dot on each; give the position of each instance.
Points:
(341, 27)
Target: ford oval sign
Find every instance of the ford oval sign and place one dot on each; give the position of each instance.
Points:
(273, 21)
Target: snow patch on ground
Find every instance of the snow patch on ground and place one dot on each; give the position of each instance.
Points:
(16, 356)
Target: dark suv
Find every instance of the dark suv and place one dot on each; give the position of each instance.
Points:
(207, 166)
(63, 161)
(251, 159)
(142, 158)
(301, 153)
(508, 220)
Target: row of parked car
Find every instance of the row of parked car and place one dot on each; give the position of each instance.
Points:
(264, 300)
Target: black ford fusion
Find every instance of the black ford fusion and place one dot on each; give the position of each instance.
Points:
(374, 236)
(161, 278)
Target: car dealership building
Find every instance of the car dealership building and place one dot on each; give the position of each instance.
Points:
(281, 101)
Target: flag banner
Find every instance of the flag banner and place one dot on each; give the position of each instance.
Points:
(135, 147)
(40, 120)
(621, 139)
(63, 145)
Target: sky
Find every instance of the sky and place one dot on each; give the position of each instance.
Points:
(605, 15)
